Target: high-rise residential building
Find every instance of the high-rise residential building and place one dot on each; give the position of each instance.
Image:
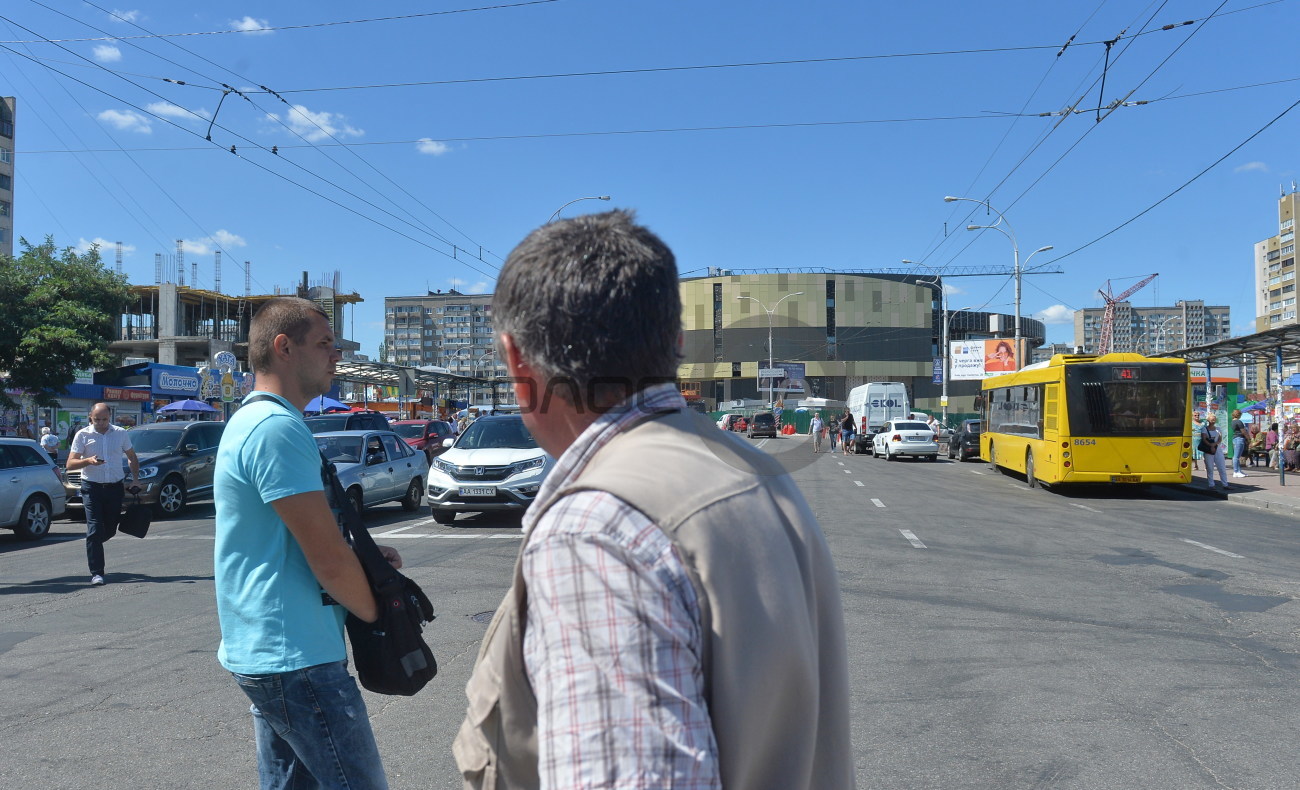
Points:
(1154, 330)
(1275, 269)
(1275, 281)
(451, 330)
(7, 106)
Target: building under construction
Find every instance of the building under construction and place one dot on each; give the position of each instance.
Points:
(173, 324)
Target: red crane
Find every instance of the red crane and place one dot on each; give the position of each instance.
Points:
(1108, 317)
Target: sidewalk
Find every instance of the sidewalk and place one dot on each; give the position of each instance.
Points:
(1259, 488)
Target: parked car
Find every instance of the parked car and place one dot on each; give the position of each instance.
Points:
(965, 441)
(495, 465)
(898, 438)
(762, 424)
(424, 435)
(375, 467)
(349, 421)
(31, 489)
(177, 460)
(729, 422)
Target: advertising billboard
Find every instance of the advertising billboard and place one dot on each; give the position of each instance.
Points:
(790, 382)
(973, 360)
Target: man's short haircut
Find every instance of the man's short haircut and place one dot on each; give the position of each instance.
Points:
(593, 301)
(283, 315)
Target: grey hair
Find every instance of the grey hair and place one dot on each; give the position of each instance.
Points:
(593, 302)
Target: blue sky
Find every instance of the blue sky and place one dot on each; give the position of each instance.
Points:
(840, 160)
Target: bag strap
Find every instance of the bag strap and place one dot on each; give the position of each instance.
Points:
(377, 569)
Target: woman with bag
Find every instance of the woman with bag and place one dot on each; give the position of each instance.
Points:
(1212, 446)
(1291, 449)
(1197, 427)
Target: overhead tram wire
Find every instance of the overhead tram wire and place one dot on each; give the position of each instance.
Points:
(455, 249)
(402, 17)
(252, 144)
(1183, 186)
(286, 126)
(935, 241)
(94, 173)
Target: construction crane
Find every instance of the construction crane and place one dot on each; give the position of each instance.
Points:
(1108, 317)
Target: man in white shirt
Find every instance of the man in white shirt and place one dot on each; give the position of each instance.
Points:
(97, 450)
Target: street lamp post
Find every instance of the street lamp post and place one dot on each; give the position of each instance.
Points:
(453, 356)
(1015, 250)
(571, 202)
(769, 312)
(479, 361)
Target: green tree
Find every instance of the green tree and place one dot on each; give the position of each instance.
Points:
(58, 312)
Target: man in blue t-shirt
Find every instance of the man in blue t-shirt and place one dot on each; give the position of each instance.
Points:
(285, 574)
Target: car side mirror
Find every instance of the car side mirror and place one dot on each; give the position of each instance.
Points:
(190, 449)
(448, 442)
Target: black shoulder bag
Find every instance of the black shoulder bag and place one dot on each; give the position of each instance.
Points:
(390, 654)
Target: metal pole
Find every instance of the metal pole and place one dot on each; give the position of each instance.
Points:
(1281, 462)
(943, 400)
(771, 380)
(1015, 251)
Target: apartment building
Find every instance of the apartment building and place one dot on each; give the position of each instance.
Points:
(446, 329)
(1154, 330)
(7, 106)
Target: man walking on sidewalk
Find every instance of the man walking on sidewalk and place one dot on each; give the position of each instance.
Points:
(98, 451)
(817, 428)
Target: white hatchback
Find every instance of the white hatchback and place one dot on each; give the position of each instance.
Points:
(905, 437)
(31, 491)
(494, 465)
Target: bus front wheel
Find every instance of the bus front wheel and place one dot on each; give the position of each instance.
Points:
(1029, 469)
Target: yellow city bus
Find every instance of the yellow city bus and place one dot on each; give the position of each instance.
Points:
(1118, 418)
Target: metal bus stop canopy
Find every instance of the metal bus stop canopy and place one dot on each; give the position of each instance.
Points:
(404, 377)
(1261, 347)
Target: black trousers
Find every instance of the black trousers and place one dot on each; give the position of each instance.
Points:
(103, 504)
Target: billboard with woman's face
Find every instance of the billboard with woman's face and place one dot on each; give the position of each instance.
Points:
(972, 360)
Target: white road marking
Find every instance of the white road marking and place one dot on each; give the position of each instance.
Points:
(848, 471)
(841, 463)
(877, 503)
(914, 540)
(399, 529)
(974, 472)
(1083, 507)
(857, 482)
(1208, 547)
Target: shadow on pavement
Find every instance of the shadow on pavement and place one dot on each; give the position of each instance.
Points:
(67, 584)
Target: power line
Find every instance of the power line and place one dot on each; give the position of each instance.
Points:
(270, 29)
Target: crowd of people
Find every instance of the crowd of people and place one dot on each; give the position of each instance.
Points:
(1253, 445)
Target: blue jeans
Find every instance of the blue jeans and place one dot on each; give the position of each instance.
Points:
(312, 730)
(1238, 447)
(103, 505)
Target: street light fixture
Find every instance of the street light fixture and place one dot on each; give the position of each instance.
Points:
(943, 302)
(770, 381)
(571, 202)
(1004, 227)
(479, 361)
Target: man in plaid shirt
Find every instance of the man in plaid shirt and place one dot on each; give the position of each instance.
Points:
(674, 618)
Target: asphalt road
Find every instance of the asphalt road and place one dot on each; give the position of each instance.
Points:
(999, 637)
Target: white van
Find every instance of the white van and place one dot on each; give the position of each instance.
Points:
(874, 404)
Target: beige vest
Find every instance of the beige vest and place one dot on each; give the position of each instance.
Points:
(775, 665)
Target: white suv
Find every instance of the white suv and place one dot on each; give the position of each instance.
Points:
(494, 465)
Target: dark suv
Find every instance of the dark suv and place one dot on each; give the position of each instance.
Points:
(762, 424)
(176, 464)
(965, 441)
(349, 421)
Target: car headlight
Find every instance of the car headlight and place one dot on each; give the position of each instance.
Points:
(443, 466)
(147, 472)
(524, 466)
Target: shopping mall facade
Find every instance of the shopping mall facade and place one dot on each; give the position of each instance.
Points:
(831, 331)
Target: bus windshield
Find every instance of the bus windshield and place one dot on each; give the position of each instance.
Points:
(1142, 400)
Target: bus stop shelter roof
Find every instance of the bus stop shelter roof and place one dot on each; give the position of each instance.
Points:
(1259, 347)
(388, 375)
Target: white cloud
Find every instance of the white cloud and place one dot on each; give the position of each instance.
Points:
(432, 147)
(107, 249)
(207, 245)
(317, 126)
(1056, 314)
(107, 53)
(1249, 166)
(169, 110)
(126, 120)
(124, 16)
(251, 26)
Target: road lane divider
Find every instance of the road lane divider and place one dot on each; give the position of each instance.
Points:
(1084, 507)
(913, 539)
(877, 503)
(399, 529)
(857, 482)
(1208, 547)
